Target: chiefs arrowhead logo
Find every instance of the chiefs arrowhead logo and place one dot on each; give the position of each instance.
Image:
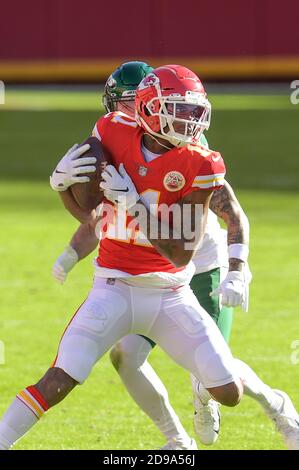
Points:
(174, 181)
(150, 80)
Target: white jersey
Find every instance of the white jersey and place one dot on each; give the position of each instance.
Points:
(213, 251)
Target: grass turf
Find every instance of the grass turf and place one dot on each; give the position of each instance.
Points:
(260, 154)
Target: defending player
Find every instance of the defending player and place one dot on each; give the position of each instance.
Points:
(129, 356)
(141, 281)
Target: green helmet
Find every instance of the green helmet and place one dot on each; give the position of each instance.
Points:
(122, 83)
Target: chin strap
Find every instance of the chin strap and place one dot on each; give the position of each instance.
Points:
(156, 139)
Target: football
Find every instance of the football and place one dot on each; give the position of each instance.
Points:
(88, 195)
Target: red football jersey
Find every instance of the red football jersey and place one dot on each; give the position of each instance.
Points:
(164, 180)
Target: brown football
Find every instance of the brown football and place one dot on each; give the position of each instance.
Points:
(88, 195)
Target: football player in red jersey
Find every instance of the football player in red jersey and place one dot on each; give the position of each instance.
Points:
(142, 280)
(129, 355)
(173, 318)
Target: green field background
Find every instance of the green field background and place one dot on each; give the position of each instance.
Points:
(258, 137)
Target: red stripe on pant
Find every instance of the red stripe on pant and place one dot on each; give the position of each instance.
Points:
(55, 360)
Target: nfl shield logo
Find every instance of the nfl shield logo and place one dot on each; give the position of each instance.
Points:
(142, 170)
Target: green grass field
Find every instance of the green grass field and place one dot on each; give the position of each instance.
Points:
(260, 146)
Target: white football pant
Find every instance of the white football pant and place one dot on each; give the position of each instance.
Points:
(172, 318)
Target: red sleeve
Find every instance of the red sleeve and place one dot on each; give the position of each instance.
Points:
(211, 173)
(206, 171)
(100, 126)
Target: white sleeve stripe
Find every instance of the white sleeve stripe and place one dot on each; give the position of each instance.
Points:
(95, 133)
(209, 177)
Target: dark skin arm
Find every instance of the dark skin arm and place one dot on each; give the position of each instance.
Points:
(179, 247)
(225, 205)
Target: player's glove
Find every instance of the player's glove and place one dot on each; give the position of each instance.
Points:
(64, 263)
(118, 187)
(235, 288)
(70, 167)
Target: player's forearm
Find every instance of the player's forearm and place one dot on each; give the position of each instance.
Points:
(82, 215)
(154, 229)
(238, 234)
(225, 205)
(84, 241)
(171, 241)
(237, 225)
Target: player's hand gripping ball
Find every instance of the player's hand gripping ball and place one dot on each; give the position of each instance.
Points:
(88, 194)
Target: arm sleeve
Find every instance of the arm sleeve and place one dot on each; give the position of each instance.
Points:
(95, 132)
(100, 127)
(211, 173)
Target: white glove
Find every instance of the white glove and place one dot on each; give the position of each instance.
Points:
(70, 167)
(118, 186)
(64, 263)
(235, 288)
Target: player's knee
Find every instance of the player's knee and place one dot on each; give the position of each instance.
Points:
(55, 385)
(116, 356)
(229, 394)
(123, 358)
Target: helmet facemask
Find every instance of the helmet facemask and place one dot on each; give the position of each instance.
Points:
(179, 117)
(125, 103)
(182, 118)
